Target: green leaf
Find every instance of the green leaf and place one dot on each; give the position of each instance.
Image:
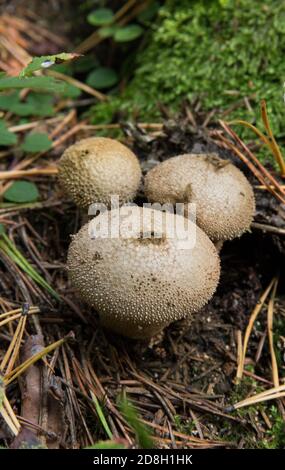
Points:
(36, 104)
(41, 104)
(102, 77)
(11, 102)
(36, 142)
(22, 191)
(107, 31)
(102, 416)
(84, 64)
(143, 434)
(71, 91)
(100, 17)
(46, 61)
(38, 83)
(2, 229)
(128, 33)
(6, 137)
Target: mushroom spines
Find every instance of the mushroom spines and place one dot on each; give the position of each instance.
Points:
(139, 285)
(94, 169)
(224, 198)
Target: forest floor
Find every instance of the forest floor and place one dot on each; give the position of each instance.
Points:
(184, 383)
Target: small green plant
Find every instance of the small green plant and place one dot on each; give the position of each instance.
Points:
(10, 249)
(185, 427)
(100, 17)
(107, 445)
(122, 27)
(101, 417)
(38, 102)
(7, 137)
(143, 434)
(106, 18)
(21, 192)
(45, 62)
(102, 77)
(36, 142)
(275, 437)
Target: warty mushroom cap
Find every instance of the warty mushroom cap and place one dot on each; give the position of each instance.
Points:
(223, 196)
(94, 169)
(141, 284)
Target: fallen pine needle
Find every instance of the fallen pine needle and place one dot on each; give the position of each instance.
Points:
(6, 411)
(14, 174)
(9, 416)
(13, 349)
(21, 368)
(270, 312)
(18, 311)
(239, 350)
(271, 394)
(252, 319)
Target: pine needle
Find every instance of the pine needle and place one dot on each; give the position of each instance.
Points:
(7, 411)
(270, 312)
(268, 140)
(8, 378)
(252, 319)
(273, 144)
(101, 416)
(10, 420)
(271, 394)
(18, 311)
(11, 250)
(13, 349)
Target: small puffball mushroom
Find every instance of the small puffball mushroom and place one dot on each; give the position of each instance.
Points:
(223, 196)
(94, 169)
(146, 278)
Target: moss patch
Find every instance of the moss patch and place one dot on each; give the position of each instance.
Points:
(218, 51)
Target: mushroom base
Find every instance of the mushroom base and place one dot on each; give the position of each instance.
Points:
(130, 330)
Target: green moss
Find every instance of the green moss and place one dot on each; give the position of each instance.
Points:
(185, 426)
(275, 437)
(220, 54)
(247, 387)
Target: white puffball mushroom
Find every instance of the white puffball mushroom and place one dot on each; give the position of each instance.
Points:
(94, 169)
(144, 279)
(224, 198)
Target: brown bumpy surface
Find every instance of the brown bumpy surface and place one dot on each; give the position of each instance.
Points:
(141, 285)
(223, 196)
(93, 169)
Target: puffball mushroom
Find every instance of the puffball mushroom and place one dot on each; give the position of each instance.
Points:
(94, 169)
(223, 196)
(141, 281)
